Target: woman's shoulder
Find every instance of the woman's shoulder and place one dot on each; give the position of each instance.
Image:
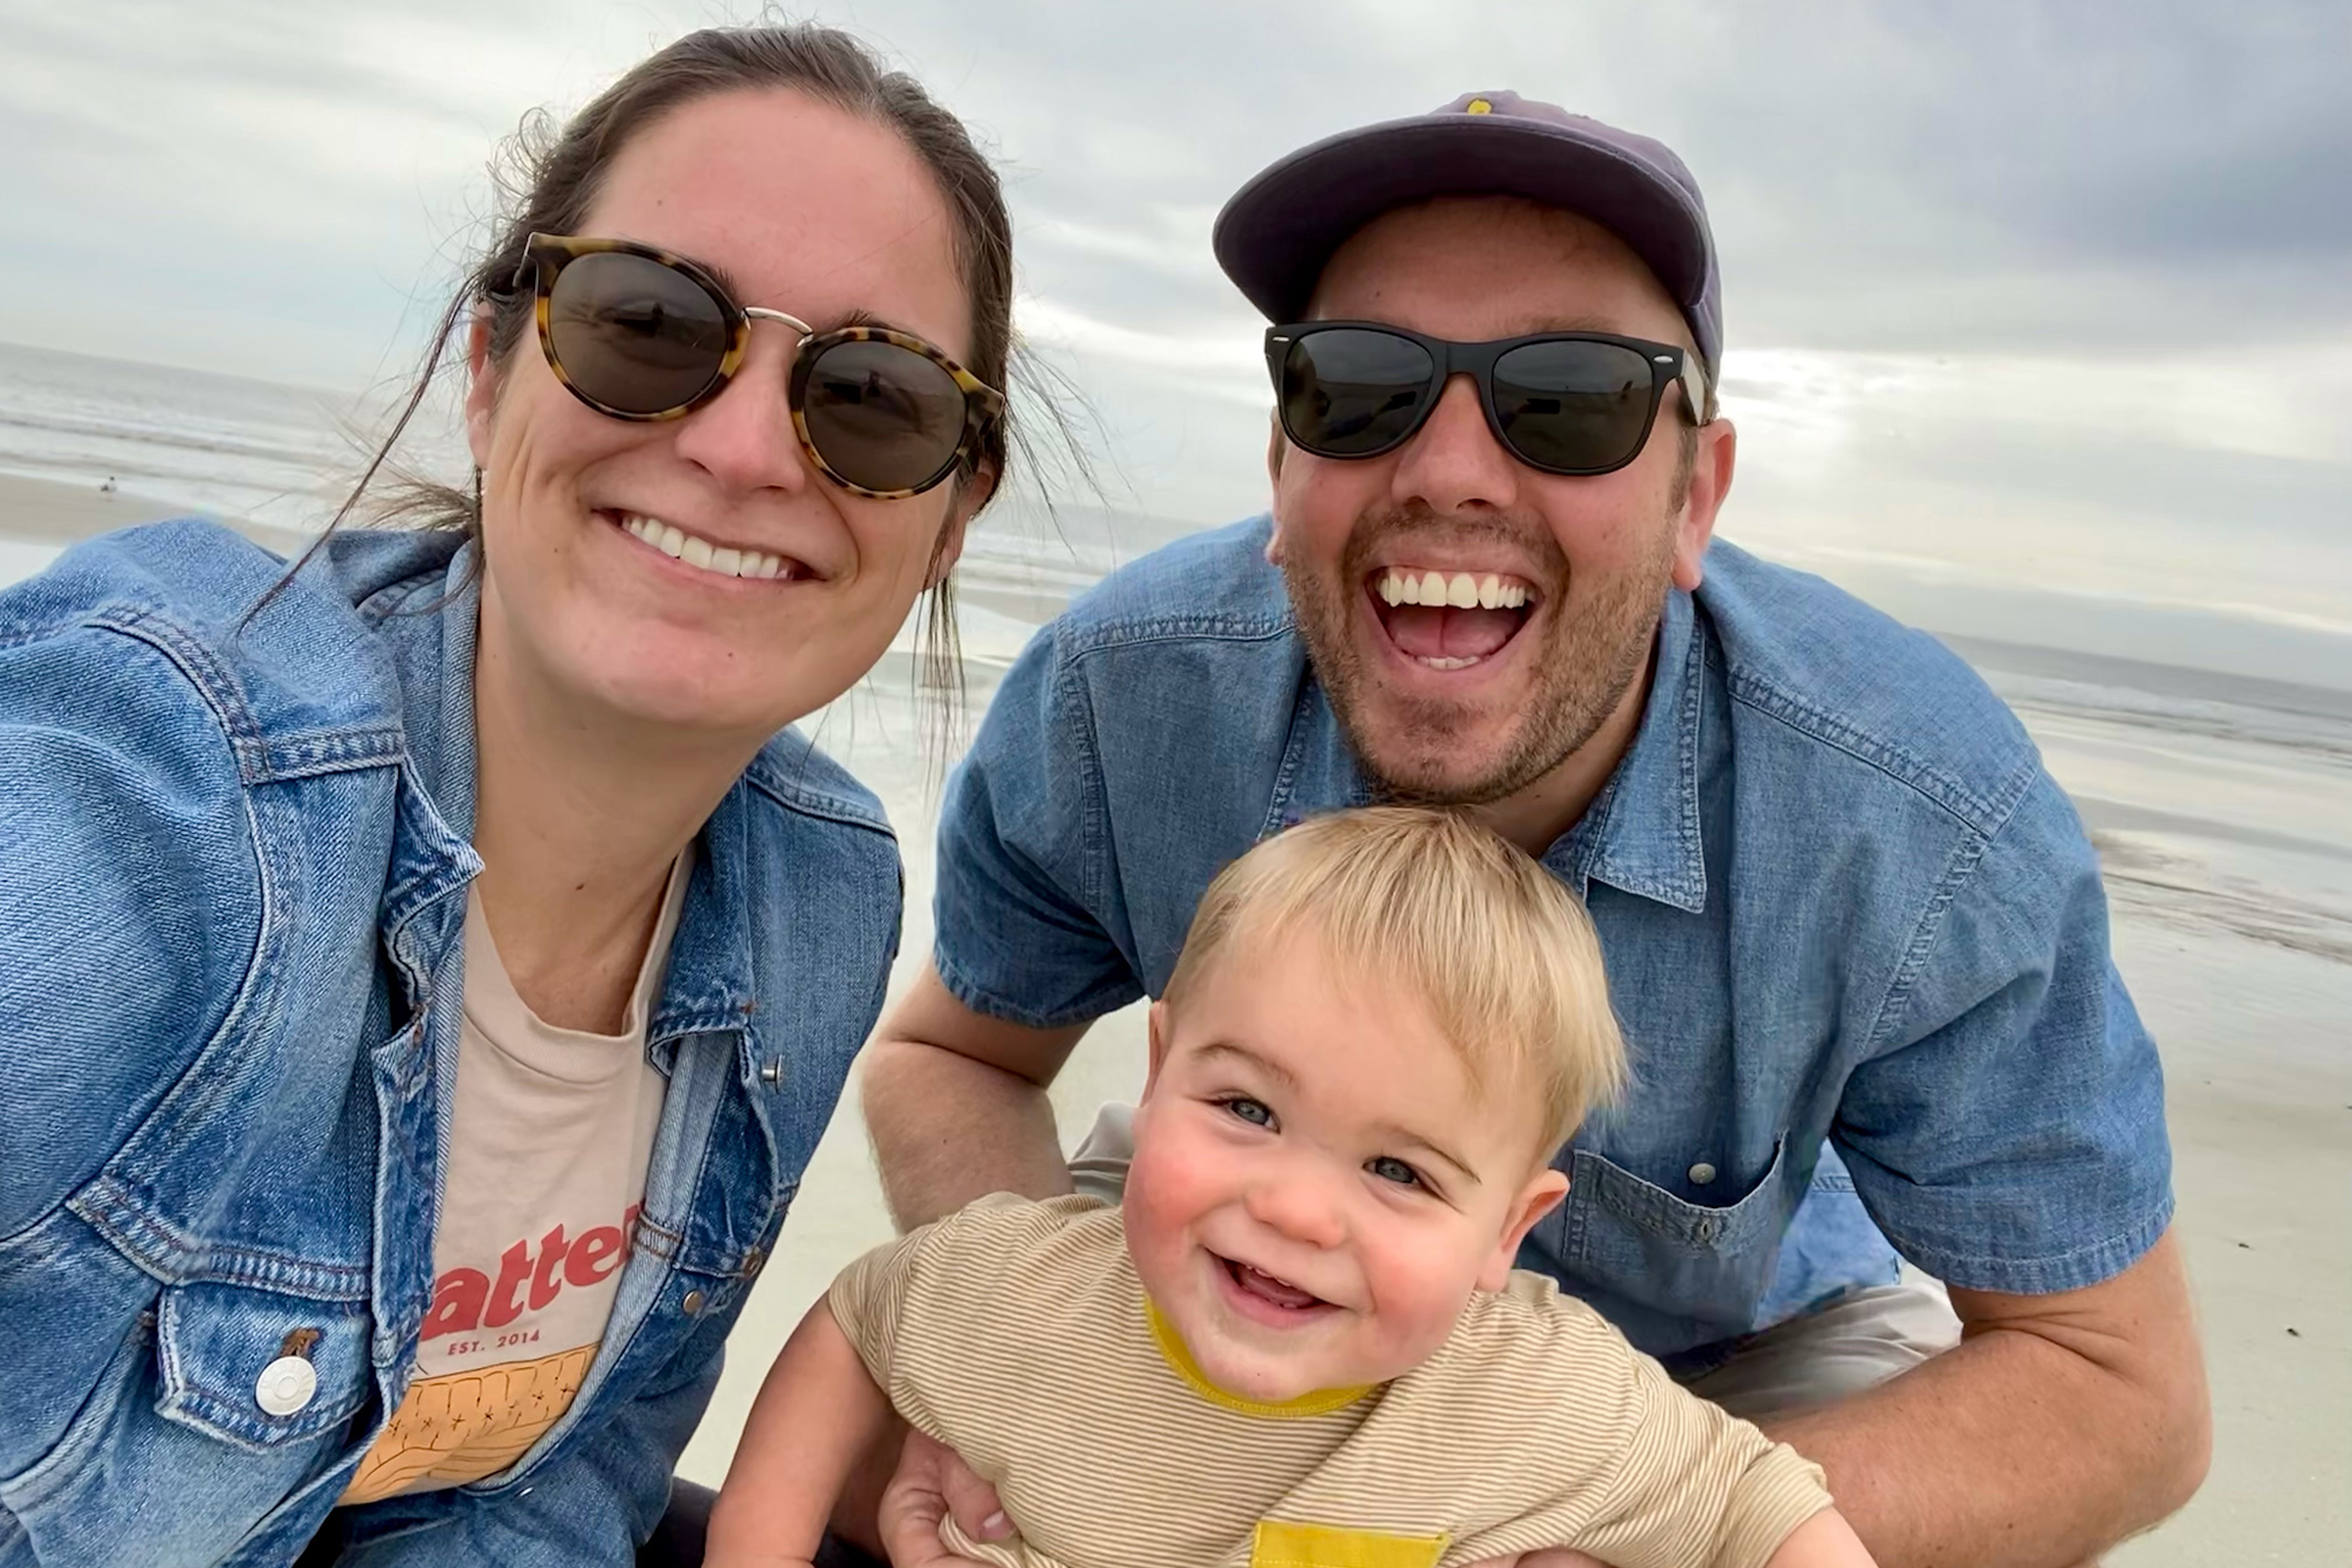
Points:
(145, 857)
(268, 650)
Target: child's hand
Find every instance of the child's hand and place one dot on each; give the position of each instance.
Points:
(1550, 1557)
(931, 1480)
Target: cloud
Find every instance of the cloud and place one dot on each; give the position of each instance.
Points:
(1931, 177)
(2121, 233)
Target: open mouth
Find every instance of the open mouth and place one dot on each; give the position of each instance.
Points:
(1450, 620)
(705, 554)
(1268, 1298)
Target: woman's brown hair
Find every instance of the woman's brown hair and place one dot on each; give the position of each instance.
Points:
(551, 177)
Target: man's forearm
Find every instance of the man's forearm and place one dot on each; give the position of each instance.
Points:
(947, 1129)
(2021, 1449)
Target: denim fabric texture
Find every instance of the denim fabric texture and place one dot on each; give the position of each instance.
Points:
(234, 863)
(1855, 933)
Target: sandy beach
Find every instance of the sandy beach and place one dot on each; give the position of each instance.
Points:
(37, 512)
(2251, 1020)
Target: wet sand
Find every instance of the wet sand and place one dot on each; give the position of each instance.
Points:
(42, 512)
(2258, 1055)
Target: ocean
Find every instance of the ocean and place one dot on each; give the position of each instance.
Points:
(256, 450)
(2210, 754)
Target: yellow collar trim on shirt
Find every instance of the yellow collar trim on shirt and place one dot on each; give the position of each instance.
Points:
(1174, 1350)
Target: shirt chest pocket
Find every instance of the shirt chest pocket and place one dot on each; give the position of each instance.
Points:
(1693, 1260)
(1283, 1544)
(259, 1368)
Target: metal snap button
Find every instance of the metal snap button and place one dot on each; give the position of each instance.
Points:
(1702, 1174)
(286, 1385)
(693, 1305)
(771, 1073)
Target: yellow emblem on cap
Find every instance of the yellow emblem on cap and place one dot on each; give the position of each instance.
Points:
(1477, 106)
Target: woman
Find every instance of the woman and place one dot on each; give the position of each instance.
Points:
(424, 977)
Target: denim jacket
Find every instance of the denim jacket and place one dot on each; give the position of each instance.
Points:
(1855, 933)
(233, 865)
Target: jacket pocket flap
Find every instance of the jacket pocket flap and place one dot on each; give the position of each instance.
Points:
(1755, 1215)
(227, 1354)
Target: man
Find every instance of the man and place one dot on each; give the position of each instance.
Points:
(1855, 932)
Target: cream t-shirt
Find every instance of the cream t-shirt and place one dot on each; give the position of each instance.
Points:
(1017, 1334)
(548, 1142)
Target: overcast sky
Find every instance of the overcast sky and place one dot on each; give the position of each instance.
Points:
(2060, 293)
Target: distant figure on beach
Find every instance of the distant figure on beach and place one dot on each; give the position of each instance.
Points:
(1300, 1339)
(1854, 930)
(425, 973)
(106, 487)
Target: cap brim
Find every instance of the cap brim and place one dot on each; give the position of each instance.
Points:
(1277, 233)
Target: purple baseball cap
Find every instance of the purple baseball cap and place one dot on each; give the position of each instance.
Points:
(1277, 233)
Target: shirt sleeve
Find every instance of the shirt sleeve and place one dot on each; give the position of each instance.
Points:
(1582, 1441)
(2013, 1137)
(870, 1297)
(132, 897)
(1022, 866)
(1698, 1484)
(918, 1311)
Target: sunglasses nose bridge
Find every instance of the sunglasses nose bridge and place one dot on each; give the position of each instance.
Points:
(1455, 458)
(760, 313)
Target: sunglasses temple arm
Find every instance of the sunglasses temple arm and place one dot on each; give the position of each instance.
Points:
(1696, 392)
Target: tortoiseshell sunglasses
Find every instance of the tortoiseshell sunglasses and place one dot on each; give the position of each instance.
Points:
(638, 334)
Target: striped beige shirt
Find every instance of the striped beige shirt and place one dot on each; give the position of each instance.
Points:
(1017, 1334)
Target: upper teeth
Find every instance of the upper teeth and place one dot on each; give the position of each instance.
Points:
(1462, 591)
(680, 545)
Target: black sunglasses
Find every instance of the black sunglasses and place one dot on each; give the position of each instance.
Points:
(1573, 402)
(639, 333)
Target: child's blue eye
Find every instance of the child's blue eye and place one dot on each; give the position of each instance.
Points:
(1250, 1111)
(1391, 1169)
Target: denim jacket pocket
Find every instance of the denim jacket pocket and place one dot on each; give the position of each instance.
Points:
(1689, 1260)
(173, 1457)
(217, 1349)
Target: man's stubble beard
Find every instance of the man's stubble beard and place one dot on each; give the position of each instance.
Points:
(1592, 654)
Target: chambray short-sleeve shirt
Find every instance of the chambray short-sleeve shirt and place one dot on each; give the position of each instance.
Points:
(1855, 932)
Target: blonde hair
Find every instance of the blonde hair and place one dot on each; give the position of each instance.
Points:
(1501, 954)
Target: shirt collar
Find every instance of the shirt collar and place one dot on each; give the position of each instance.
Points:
(1641, 834)
(1179, 1356)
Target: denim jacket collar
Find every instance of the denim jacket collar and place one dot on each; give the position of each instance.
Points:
(1639, 835)
(428, 625)
(710, 985)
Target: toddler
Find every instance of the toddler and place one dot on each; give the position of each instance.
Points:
(1301, 1342)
